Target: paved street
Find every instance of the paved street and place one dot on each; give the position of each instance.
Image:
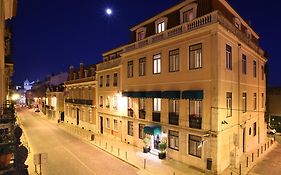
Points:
(271, 163)
(66, 153)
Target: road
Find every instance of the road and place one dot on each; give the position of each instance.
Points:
(67, 155)
(271, 163)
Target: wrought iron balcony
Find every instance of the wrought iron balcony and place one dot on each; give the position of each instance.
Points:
(142, 114)
(156, 116)
(79, 101)
(195, 121)
(173, 118)
(109, 64)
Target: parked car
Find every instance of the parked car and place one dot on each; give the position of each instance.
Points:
(37, 110)
(271, 130)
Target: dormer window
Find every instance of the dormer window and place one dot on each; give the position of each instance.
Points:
(161, 24)
(140, 33)
(249, 34)
(188, 13)
(237, 23)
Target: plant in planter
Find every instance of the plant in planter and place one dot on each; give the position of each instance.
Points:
(6, 154)
(146, 147)
(162, 148)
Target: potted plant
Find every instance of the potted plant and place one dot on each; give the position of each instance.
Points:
(146, 147)
(162, 148)
(6, 154)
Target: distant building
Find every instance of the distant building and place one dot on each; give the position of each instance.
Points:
(274, 107)
(27, 85)
(54, 102)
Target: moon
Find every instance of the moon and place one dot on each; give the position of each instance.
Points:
(108, 11)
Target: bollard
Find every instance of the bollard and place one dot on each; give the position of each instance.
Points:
(240, 169)
(174, 173)
(144, 163)
(118, 151)
(126, 155)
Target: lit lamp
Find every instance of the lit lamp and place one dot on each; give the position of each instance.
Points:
(15, 97)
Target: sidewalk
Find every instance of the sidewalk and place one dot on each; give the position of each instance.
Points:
(147, 163)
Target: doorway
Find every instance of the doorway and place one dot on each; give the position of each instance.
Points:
(101, 124)
(77, 116)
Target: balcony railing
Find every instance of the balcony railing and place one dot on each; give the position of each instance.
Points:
(109, 64)
(156, 116)
(142, 114)
(79, 101)
(130, 112)
(195, 121)
(208, 19)
(173, 118)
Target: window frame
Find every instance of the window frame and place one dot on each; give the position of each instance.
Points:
(254, 68)
(229, 104)
(130, 72)
(244, 64)
(200, 66)
(130, 131)
(142, 66)
(228, 60)
(244, 102)
(174, 60)
(157, 61)
(174, 136)
(141, 132)
(197, 141)
(115, 79)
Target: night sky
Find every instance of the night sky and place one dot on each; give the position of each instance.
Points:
(51, 35)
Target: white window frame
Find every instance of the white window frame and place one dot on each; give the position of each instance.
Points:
(228, 104)
(228, 57)
(142, 66)
(193, 7)
(115, 103)
(115, 125)
(157, 64)
(108, 123)
(156, 104)
(163, 21)
(174, 60)
(130, 69)
(140, 30)
(197, 56)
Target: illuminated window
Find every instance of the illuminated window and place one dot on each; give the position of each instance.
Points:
(255, 68)
(195, 114)
(140, 35)
(141, 133)
(142, 111)
(195, 145)
(174, 60)
(173, 137)
(114, 104)
(107, 123)
(161, 27)
(229, 104)
(90, 116)
(255, 101)
(157, 64)
(157, 104)
(174, 112)
(115, 125)
(195, 56)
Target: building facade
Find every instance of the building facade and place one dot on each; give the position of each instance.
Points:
(193, 76)
(7, 12)
(274, 108)
(54, 102)
(80, 97)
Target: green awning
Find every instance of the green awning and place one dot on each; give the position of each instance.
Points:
(132, 94)
(152, 130)
(193, 94)
(153, 94)
(171, 94)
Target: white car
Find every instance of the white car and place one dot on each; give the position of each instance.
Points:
(271, 130)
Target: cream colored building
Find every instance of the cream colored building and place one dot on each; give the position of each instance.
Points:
(109, 98)
(193, 75)
(54, 103)
(7, 11)
(80, 103)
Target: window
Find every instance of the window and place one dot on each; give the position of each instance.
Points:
(157, 104)
(255, 68)
(262, 100)
(229, 104)
(90, 116)
(188, 15)
(228, 57)
(174, 112)
(173, 140)
(244, 102)
(101, 101)
(115, 79)
(141, 133)
(107, 102)
(195, 146)
(255, 129)
(160, 27)
(244, 64)
(262, 73)
(130, 128)
(174, 60)
(107, 80)
(157, 64)
(115, 125)
(255, 101)
(142, 108)
(114, 104)
(195, 114)
(107, 123)
(130, 107)
(195, 56)
(142, 66)
(101, 81)
(140, 35)
(130, 69)
(237, 23)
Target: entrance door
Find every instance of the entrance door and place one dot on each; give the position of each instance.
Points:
(77, 115)
(62, 116)
(101, 124)
(244, 135)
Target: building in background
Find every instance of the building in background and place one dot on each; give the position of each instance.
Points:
(54, 102)
(109, 95)
(274, 107)
(27, 85)
(7, 12)
(80, 97)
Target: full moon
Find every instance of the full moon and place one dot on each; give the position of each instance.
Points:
(108, 11)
